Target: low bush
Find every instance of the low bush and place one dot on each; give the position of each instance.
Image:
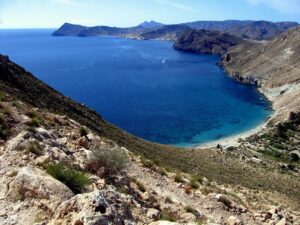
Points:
(35, 121)
(2, 97)
(83, 132)
(4, 129)
(178, 178)
(147, 163)
(190, 209)
(168, 200)
(74, 179)
(34, 148)
(194, 183)
(107, 162)
(140, 186)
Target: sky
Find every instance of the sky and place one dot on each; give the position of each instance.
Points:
(124, 13)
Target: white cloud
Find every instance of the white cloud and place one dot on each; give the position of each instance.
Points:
(176, 5)
(284, 6)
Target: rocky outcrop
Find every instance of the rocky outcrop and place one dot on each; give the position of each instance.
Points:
(31, 182)
(105, 207)
(207, 42)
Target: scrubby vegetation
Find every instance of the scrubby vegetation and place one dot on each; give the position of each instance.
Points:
(36, 119)
(194, 183)
(83, 132)
(178, 178)
(107, 162)
(190, 209)
(72, 178)
(282, 140)
(5, 129)
(34, 148)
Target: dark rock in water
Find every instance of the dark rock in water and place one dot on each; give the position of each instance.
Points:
(207, 42)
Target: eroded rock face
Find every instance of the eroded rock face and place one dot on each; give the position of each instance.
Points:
(94, 208)
(32, 182)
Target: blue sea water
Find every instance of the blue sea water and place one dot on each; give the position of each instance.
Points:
(145, 87)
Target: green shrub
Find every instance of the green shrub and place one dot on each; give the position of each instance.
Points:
(33, 122)
(74, 179)
(194, 183)
(107, 162)
(190, 209)
(34, 148)
(162, 172)
(278, 146)
(140, 186)
(83, 132)
(32, 114)
(178, 178)
(4, 133)
(147, 163)
(168, 200)
(4, 129)
(2, 97)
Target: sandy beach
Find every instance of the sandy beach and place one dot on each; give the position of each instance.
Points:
(234, 140)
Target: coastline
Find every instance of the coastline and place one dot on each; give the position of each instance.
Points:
(236, 139)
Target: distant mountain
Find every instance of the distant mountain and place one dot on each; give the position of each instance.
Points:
(258, 30)
(151, 24)
(69, 29)
(205, 41)
(261, 30)
(217, 25)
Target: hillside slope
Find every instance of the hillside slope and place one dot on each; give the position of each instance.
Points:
(221, 167)
(52, 174)
(260, 30)
(274, 65)
(205, 41)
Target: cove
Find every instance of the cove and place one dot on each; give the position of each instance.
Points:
(144, 87)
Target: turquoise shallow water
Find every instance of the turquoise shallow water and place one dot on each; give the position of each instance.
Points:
(144, 87)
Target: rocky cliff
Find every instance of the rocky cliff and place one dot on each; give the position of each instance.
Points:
(273, 65)
(205, 41)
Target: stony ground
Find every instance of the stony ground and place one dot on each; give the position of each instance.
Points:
(143, 193)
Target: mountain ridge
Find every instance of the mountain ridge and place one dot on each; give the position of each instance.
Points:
(257, 30)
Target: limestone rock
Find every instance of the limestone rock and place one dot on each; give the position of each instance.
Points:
(164, 223)
(31, 182)
(188, 217)
(18, 142)
(153, 213)
(282, 222)
(101, 208)
(232, 220)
